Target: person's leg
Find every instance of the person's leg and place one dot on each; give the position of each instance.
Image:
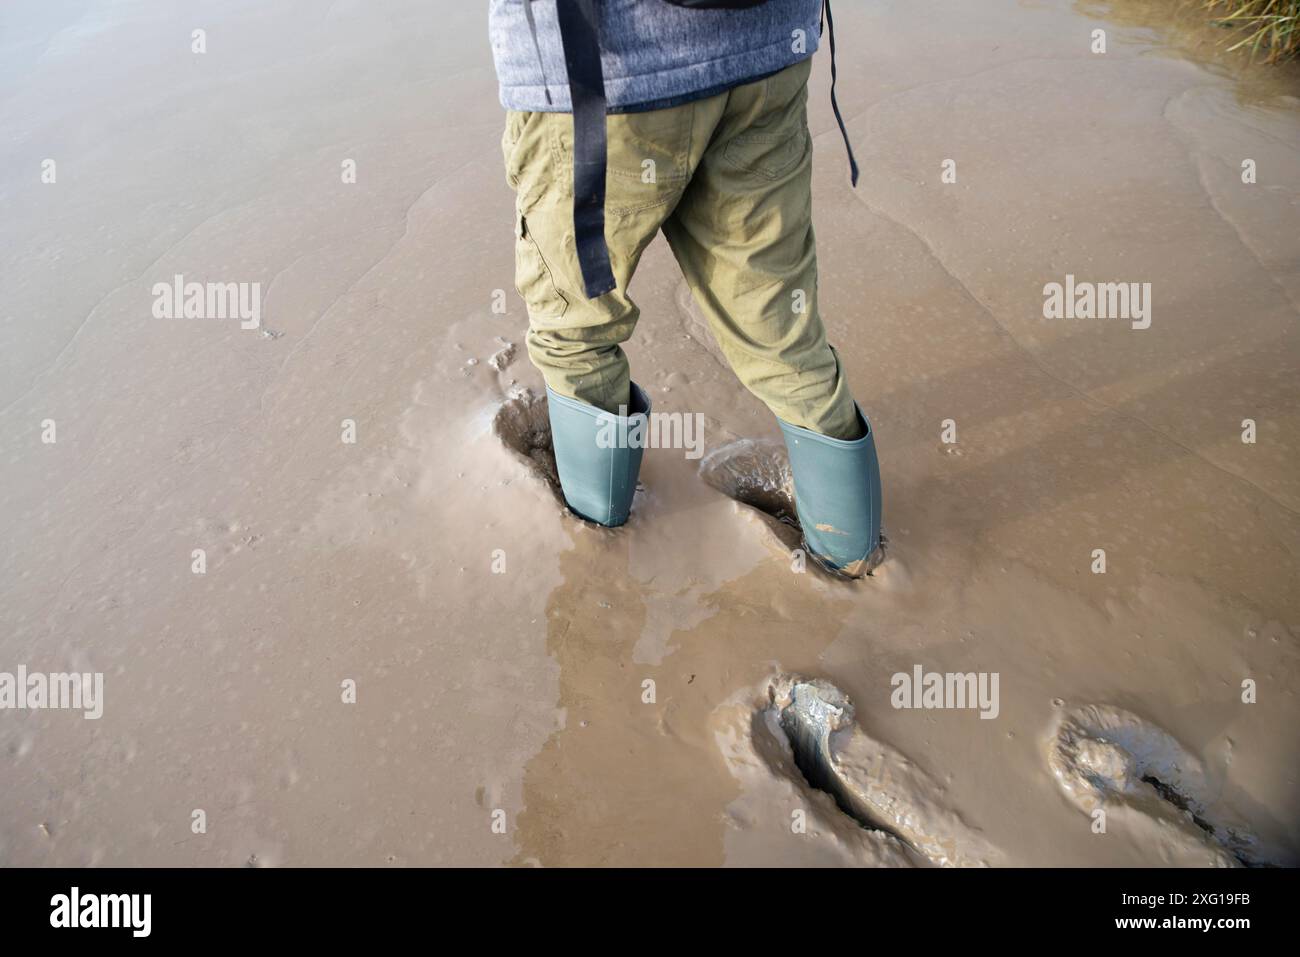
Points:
(573, 340)
(743, 237)
(576, 342)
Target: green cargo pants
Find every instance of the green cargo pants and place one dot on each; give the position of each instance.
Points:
(728, 180)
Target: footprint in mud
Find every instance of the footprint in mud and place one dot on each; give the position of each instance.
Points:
(523, 426)
(875, 786)
(1104, 757)
(756, 472)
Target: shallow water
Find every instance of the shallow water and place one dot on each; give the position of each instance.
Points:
(529, 688)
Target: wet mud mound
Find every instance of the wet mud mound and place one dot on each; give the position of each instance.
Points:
(523, 426)
(872, 784)
(1106, 757)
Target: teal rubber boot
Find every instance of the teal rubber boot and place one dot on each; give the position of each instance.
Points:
(837, 496)
(598, 454)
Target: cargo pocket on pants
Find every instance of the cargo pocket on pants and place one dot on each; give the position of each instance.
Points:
(533, 279)
(770, 155)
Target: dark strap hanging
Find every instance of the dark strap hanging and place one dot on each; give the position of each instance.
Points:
(579, 25)
(835, 105)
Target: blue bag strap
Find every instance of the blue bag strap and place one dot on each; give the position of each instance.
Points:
(579, 32)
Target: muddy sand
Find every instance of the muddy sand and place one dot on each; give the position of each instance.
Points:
(341, 617)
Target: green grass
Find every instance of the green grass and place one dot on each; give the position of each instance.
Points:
(1267, 28)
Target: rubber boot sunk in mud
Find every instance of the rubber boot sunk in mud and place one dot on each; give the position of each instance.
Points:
(837, 496)
(598, 454)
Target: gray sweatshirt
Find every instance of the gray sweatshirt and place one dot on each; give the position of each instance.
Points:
(653, 54)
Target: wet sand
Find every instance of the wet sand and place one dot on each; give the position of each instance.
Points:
(501, 649)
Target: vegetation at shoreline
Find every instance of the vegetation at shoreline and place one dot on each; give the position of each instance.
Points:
(1268, 29)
